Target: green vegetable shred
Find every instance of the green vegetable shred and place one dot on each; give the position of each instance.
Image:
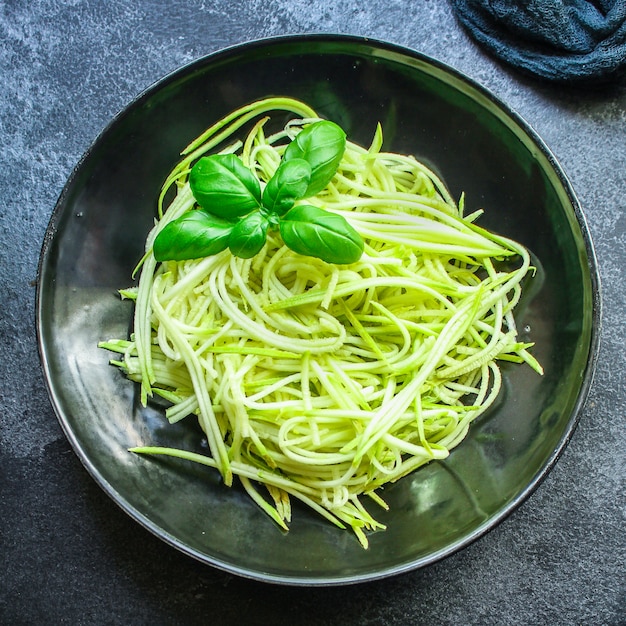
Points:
(324, 310)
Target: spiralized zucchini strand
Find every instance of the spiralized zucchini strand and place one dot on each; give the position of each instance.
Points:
(326, 382)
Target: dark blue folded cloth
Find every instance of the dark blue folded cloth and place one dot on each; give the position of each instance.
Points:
(562, 40)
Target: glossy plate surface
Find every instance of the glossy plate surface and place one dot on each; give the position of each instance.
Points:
(96, 235)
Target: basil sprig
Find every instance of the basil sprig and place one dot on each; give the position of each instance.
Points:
(233, 213)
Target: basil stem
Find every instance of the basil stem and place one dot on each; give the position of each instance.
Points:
(194, 235)
(312, 231)
(224, 186)
(249, 235)
(322, 144)
(289, 183)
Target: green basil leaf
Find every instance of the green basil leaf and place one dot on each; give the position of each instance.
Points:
(224, 186)
(322, 144)
(249, 235)
(194, 235)
(288, 184)
(318, 233)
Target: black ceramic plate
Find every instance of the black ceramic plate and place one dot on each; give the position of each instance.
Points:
(477, 144)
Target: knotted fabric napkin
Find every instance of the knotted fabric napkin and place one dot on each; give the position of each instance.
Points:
(561, 40)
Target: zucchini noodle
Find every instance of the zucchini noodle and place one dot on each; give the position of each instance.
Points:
(325, 382)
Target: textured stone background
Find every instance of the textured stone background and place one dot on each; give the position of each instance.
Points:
(68, 555)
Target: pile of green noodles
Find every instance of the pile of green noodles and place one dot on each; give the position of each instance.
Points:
(325, 382)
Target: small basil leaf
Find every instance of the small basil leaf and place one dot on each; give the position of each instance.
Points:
(288, 184)
(224, 186)
(273, 218)
(322, 144)
(249, 235)
(318, 233)
(194, 235)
